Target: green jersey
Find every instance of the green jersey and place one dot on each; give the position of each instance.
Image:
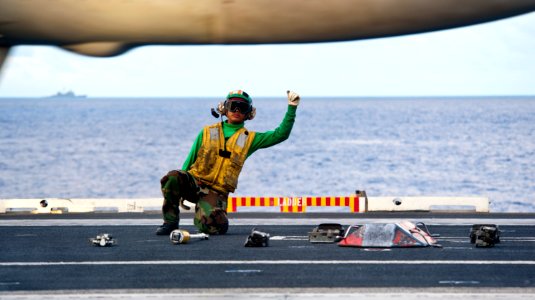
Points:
(261, 139)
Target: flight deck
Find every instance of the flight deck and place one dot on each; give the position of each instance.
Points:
(52, 254)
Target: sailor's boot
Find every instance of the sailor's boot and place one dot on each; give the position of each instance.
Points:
(166, 228)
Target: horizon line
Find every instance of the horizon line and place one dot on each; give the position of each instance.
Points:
(260, 97)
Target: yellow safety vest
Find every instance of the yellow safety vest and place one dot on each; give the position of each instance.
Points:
(218, 164)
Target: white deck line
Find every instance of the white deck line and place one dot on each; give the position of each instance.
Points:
(266, 221)
(453, 293)
(269, 262)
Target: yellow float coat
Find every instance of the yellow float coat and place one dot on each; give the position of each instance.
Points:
(219, 162)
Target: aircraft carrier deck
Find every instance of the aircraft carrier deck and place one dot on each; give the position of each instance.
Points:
(50, 256)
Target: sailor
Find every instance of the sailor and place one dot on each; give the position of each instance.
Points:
(215, 161)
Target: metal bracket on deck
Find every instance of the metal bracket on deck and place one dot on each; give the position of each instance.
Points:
(103, 240)
(257, 239)
(326, 233)
(485, 235)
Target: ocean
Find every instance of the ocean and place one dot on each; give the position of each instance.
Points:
(117, 148)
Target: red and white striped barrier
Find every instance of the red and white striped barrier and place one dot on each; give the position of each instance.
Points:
(297, 204)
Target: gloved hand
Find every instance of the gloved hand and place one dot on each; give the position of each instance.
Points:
(293, 98)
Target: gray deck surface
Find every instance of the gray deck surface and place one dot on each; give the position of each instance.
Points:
(38, 256)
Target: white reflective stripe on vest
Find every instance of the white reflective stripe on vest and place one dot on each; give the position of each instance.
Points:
(214, 133)
(241, 140)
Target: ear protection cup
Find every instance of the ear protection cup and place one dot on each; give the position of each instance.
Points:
(252, 114)
(221, 108)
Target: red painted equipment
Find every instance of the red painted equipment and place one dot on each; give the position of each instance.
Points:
(388, 235)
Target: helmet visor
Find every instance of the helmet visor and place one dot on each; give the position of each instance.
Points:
(238, 106)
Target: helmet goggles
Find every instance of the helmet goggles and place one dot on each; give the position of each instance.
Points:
(238, 105)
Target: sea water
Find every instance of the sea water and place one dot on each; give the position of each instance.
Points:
(111, 148)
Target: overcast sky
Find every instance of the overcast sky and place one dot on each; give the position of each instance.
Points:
(496, 58)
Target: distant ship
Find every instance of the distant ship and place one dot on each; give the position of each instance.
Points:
(67, 95)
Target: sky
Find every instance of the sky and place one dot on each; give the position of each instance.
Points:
(490, 59)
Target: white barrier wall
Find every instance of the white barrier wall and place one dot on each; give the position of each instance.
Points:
(396, 203)
(80, 205)
(371, 204)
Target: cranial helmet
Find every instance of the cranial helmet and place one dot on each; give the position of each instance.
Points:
(238, 100)
(240, 94)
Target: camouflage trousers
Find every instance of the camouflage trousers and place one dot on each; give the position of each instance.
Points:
(171, 199)
(211, 213)
(210, 206)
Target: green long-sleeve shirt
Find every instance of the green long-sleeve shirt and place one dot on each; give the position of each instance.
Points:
(261, 139)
